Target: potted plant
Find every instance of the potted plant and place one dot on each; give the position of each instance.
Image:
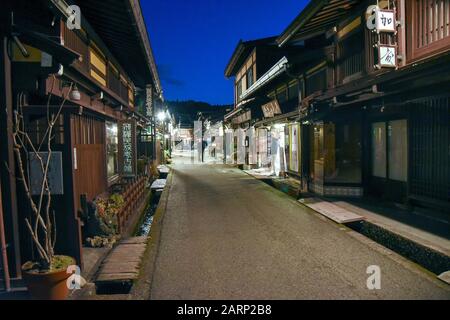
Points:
(46, 276)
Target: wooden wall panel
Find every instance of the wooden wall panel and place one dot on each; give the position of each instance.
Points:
(428, 27)
(74, 42)
(89, 176)
(89, 143)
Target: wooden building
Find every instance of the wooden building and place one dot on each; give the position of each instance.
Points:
(249, 65)
(107, 65)
(380, 117)
(373, 99)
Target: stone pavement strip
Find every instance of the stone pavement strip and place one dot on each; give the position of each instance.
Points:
(227, 235)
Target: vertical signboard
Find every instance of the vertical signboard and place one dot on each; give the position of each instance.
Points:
(229, 145)
(294, 139)
(127, 147)
(216, 146)
(198, 141)
(240, 146)
(262, 149)
(251, 134)
(149, 101)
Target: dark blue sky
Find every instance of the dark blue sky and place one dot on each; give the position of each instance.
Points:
(193, 40)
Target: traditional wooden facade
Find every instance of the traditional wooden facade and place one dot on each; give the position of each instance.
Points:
(373, 126)
(249, 65)
(373, 102)
(108, 65)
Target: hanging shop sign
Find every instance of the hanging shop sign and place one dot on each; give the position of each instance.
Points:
(383, 21)
(271, 109)
(387, 56)
(243, 117)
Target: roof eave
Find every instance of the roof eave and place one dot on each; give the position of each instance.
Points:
(234, 57)
(240, 49)
(309, 11)
(142, 30)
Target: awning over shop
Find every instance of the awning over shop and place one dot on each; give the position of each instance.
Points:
(278, 119)
(232, 113)
(279, 68)
(239, 109)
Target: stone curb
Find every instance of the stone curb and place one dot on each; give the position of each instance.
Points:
(142, 288)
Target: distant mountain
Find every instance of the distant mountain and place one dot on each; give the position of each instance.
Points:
(186, 112)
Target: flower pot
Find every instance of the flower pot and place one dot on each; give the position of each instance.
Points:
(47, 285)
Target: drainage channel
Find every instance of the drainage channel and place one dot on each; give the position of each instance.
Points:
(143, 229)
(145, 225)
(428, 258)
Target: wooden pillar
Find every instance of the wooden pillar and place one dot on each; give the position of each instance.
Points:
(154, 150)
(3, 248)
(402, 31)
(72, 219)
(7, 162)
(150, 104)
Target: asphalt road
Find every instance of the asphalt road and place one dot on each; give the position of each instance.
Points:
(226, 235)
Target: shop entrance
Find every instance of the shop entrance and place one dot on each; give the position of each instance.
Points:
(389, 159)
(335, 158)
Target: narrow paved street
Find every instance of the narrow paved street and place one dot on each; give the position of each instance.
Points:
(228, 236)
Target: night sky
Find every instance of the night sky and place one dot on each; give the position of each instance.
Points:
(193, 40)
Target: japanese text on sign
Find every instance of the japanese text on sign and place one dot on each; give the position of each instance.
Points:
(388, 56)
(385, 21)
(127, 148)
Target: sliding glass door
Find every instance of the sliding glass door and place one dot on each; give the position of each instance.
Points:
(389, 156)
(390, 150)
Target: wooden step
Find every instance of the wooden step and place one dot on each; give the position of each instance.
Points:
(123, 263)
(332, 211)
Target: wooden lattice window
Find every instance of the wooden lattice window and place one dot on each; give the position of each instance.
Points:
(98, 65)
(316, 81)
(428, 23)
(351, 57)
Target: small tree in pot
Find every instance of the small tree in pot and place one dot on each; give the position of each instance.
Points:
(46, 277)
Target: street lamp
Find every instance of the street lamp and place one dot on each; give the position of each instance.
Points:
(161, 116)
